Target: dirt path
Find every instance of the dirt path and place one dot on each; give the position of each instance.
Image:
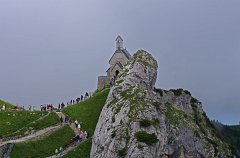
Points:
(60, 114)
(71, 146)
(68, 149)
(38, 134)
(41, 133)
(45, 132)
(33, 121)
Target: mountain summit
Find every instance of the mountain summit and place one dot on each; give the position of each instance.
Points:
(139, 121)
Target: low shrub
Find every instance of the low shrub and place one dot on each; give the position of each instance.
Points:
(177, 92)
(145, 123)
(145, 137)
(113, 134)
(122, 152)
(187, 92)
(158, 90)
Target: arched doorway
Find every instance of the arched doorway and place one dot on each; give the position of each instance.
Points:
(116, 73)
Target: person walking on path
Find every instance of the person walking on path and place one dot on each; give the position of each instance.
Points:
(60, 150)
(56, 151)
(76, 123)
(1, 138)
(61, 119)
(79, 127)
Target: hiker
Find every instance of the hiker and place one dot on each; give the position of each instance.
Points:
(4, 107)
(81, 97)
(112, 82)
(79, 127)
(78, 100)
(70, 121)
(62, 105)
(76, 123)
(61, 119)
(66, 120)
(75, 139)
(86, 134)
(60, 150)
(86, 95)
(1, 137)
(56, 151)
(81, 136)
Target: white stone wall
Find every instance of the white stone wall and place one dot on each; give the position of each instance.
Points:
(103, 81)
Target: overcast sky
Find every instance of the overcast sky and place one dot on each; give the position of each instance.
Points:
(53, 50)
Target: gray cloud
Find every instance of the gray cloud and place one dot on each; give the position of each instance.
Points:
(53, 51)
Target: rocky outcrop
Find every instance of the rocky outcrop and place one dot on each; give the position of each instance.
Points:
(139, 121)
(5, 150)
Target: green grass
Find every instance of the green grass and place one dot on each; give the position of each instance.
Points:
(47, 121)
(51, 119)
(83, 150)
(87, 112)
(174, 115)
(6, 103)
(43, 147)
(11, 121)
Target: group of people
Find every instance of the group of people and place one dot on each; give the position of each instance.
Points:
(78, 137)
(112, 81)
(65, 120)
(50, 107)
(82, 134)
(47, 107)
(59, 151)
(75, 101)
(4, 107)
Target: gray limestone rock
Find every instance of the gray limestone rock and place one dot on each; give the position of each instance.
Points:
(139, 121)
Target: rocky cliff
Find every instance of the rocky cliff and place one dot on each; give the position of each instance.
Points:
(139, 121)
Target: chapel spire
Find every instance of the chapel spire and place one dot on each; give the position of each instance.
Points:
(119, 43)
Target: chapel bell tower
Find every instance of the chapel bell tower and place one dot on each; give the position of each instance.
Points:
(119, 43)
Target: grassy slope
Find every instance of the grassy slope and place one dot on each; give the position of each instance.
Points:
(44, 147)
(88, 113)
(6, 103)
(83, 151)
(11, 121)
(51, 119)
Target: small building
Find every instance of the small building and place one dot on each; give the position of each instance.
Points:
(118, 60)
